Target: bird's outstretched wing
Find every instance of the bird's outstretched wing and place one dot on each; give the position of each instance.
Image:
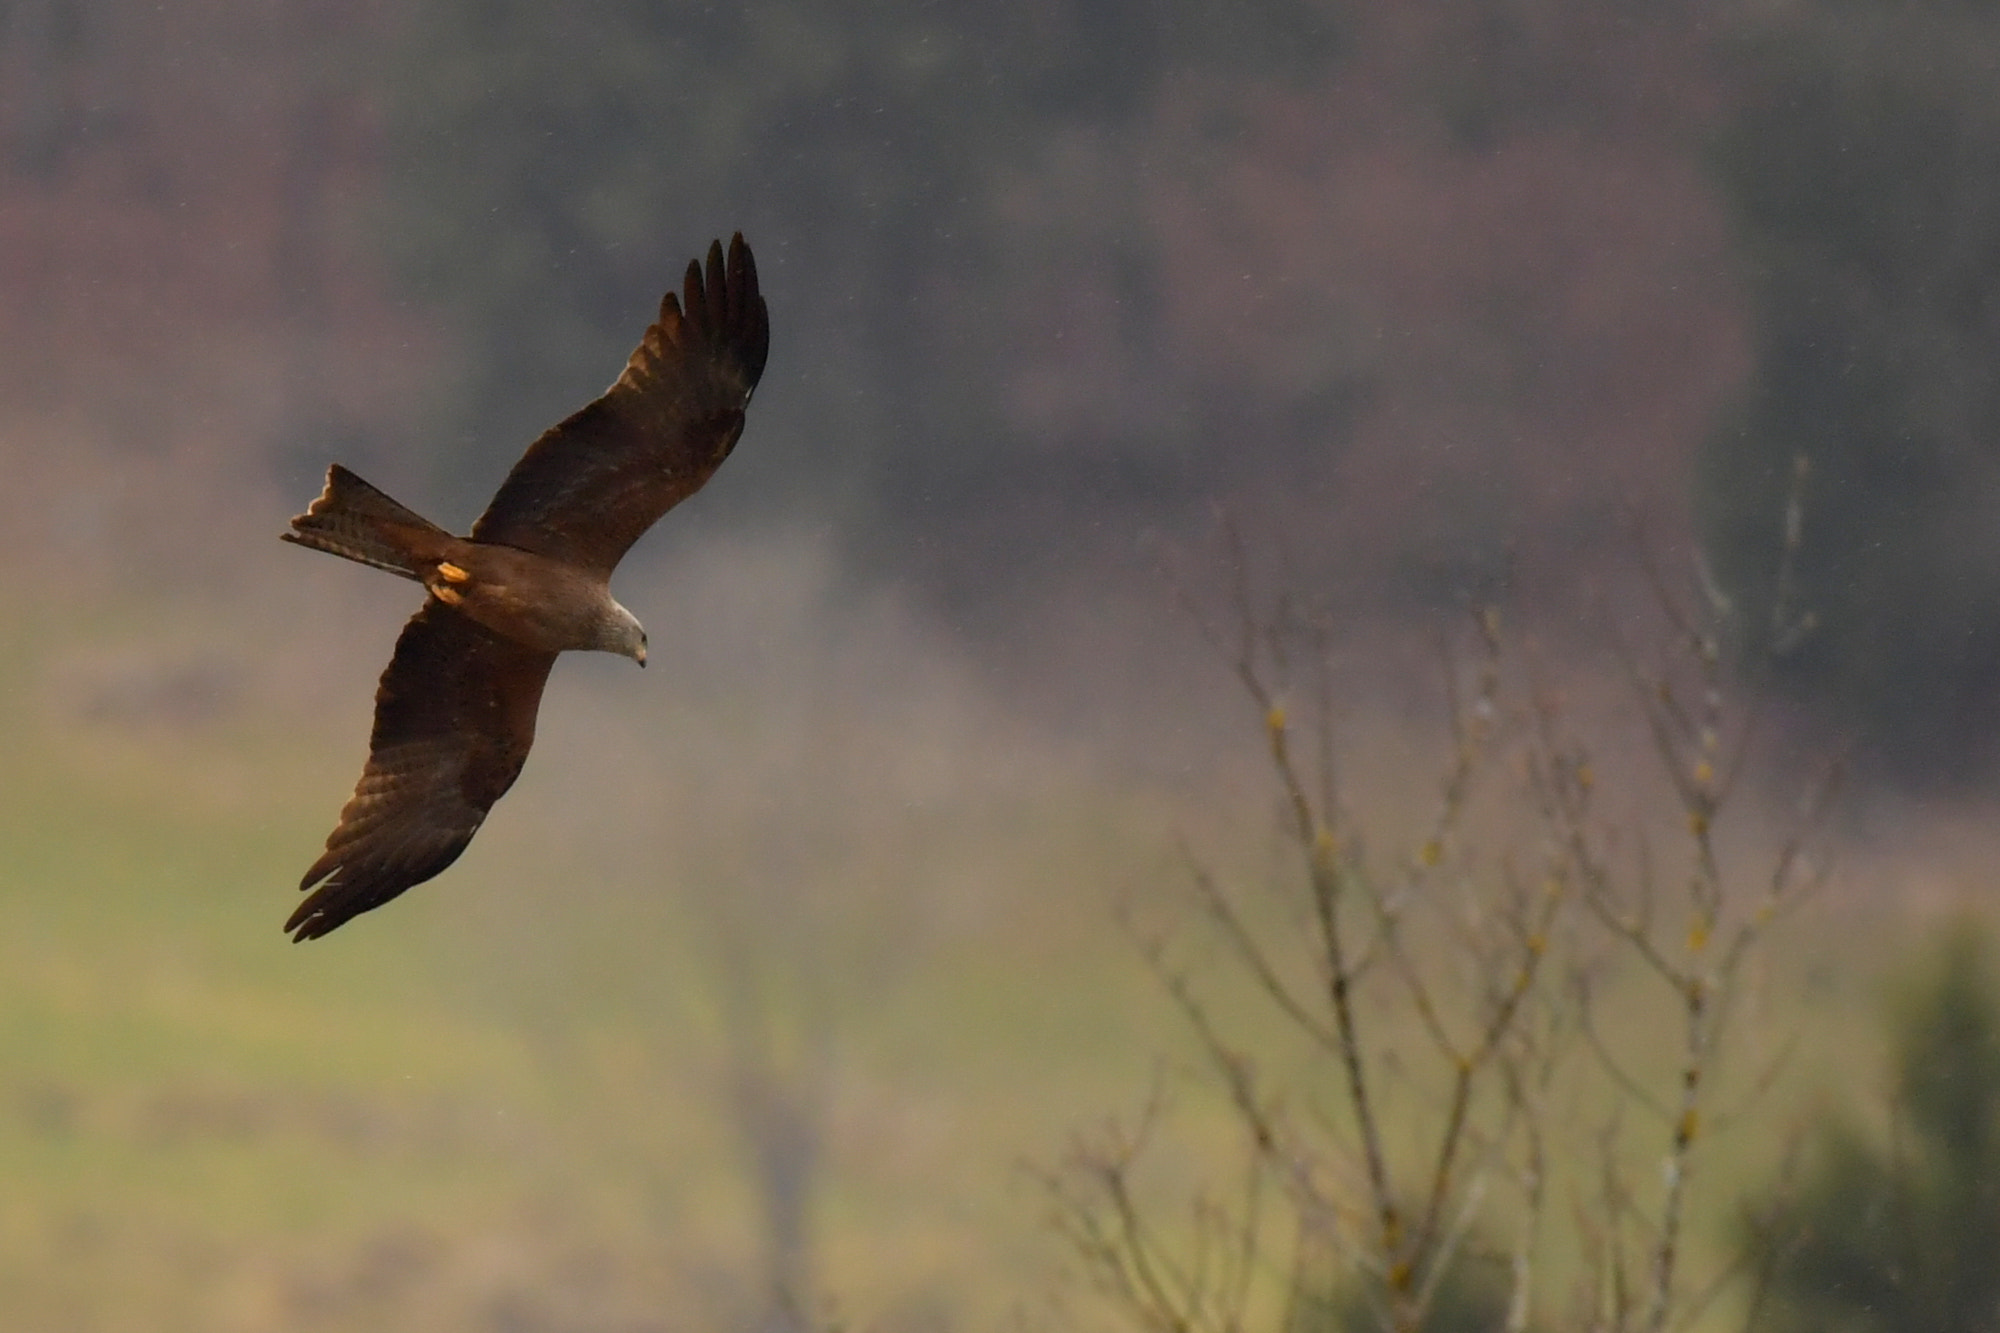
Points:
(589, 487)
(454, 718)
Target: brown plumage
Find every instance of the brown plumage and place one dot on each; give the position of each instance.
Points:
(455, 711)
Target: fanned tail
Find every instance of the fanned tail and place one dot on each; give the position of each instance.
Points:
(353, 519)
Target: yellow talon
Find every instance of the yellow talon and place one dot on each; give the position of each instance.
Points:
(451, 573)
(447, 594)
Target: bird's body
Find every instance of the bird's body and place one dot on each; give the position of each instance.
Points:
(455, 711)
(531, 599)
(535, 601)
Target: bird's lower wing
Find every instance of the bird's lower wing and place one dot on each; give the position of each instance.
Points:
(454, 719)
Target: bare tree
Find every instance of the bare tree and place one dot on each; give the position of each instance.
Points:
(1449, 995)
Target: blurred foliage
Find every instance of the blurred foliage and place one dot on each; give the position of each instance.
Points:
(49, 38)
(1862, 161)
(552, 166)
(1902, 1235)
(1471, 1297)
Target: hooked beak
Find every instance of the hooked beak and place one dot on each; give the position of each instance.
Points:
(640, 657)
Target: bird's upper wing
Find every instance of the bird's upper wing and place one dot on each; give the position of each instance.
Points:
(454, 717)
(587, 489)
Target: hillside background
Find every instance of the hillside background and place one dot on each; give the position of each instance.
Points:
(780, 957)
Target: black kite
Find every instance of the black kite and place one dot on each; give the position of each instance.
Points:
(455, 712)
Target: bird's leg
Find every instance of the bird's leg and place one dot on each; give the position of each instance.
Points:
(450, 579)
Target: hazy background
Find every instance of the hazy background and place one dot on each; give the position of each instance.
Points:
(783, 952)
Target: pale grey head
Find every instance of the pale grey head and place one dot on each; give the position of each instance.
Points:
(619, 631)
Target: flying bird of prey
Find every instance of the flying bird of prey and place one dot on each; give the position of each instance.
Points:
(455, 711)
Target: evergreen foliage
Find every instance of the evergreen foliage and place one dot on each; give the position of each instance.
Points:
(1862, 163)
(549, 159)
(1888, 1238)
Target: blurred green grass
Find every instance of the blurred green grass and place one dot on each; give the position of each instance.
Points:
(205, 1126)
(506, 1096)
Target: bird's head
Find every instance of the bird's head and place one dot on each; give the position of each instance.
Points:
(622, 633)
